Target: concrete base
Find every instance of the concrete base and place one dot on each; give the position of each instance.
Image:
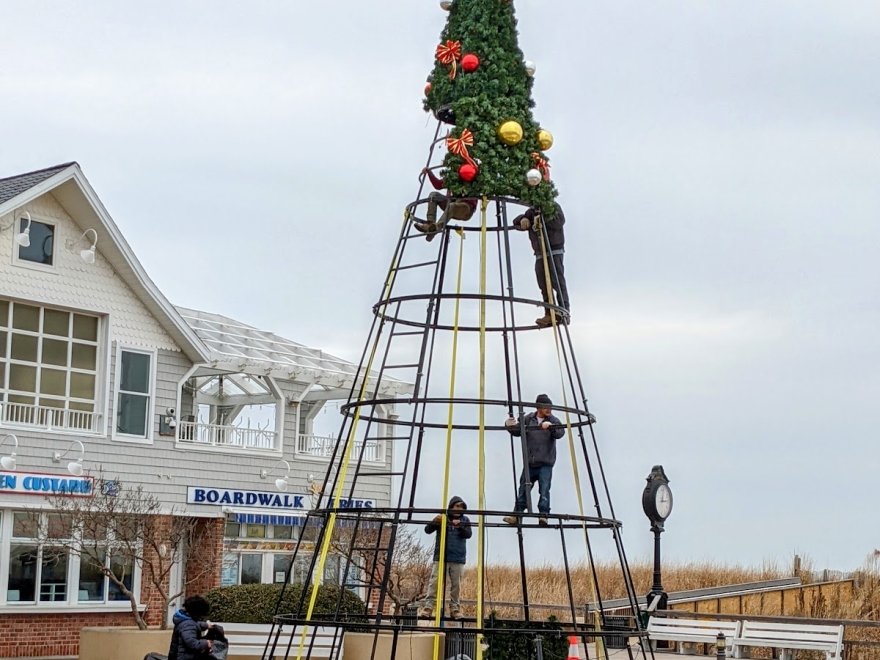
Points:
(410, 646)
(121, 643)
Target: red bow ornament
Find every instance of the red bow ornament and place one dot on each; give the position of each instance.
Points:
(459, 146)
(448, 54)
(542, 165)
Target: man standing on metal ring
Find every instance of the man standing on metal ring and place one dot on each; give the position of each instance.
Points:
(531, 221)
(542, 430)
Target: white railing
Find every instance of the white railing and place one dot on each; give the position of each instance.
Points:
(45, 417)
(321, 446)
(233, 437)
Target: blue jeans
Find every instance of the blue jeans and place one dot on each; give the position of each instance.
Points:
(543, 474)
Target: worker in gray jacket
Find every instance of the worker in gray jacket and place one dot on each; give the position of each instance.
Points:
(542, 430)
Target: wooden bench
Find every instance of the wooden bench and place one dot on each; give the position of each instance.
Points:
(789, 637)
(697, 631)
(249, 639)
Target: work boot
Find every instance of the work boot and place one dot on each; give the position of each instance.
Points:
(455, 614)
(542, 521)
(425, 227)
(426, 613)
(511, 520)
(544, 322)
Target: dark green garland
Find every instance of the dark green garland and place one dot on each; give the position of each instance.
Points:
(498, 91)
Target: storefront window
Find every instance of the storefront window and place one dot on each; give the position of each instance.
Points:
(284, 532)
(22, 585)
(229, 572)
(233, 529)
(53, 575)
(251, 568)
(44, 569)
(279, 567)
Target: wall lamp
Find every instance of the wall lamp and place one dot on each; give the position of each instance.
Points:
(74, 467)
(86, 254)
(23, 238)
(281, 483)
(8, 462)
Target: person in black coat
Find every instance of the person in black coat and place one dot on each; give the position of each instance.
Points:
(187, 642)
(458, 531)
(531, 222)
(542, 430)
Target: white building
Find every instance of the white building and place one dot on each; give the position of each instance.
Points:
(191, 405)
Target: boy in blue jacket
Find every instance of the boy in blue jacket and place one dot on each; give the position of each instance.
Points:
(458, 531)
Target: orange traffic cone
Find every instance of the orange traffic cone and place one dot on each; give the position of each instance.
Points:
(573, 653)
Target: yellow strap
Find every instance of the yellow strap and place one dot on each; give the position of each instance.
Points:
(569, 433)
(441, 567)
(318, 576)
(481, 468)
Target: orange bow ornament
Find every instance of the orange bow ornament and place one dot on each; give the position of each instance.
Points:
(459, 146)
(448, 54)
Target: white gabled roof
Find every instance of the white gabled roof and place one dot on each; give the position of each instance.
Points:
(240, 347)
(71, 189)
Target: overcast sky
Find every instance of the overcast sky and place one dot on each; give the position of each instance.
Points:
(718, 164)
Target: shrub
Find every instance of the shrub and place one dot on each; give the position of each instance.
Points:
(515, 645)
(255, 603)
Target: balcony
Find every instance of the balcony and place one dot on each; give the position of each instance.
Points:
(51, 419)
(230, 437)
(318, 446)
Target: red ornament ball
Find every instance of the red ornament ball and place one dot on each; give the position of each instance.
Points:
(467, 172)
(427, 89)
(470, 63)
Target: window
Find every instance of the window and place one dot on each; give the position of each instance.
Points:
(37, 573)
(43, 569)
(48, 367)
(134, 395)
(251, 568)
(41, 243)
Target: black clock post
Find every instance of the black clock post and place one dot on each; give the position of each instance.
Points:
(657, 504)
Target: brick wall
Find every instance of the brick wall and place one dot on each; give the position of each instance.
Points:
(205, 563)
(50, 634)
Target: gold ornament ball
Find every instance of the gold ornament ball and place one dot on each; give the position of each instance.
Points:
(545, 139)
(510, 132)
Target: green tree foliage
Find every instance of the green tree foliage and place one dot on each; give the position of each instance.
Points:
(498, 91)
(255, 603)
(508, 644)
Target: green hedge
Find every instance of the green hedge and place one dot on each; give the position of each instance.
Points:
(515, 645)
(255, 603)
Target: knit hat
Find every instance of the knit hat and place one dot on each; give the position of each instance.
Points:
(543, 401)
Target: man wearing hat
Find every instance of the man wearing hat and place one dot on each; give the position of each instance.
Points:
(542, 431)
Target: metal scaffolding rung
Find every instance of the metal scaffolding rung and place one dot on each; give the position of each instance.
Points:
(418, 265)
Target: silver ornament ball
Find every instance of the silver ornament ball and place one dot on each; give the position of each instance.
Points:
(533, 177)
(530, 68)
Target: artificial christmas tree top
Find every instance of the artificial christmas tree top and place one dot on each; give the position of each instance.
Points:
(481, 84)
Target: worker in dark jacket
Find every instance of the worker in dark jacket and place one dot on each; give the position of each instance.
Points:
(189, 626)
(458, 531)
(456, 209)
(531, 222)
(542, 430)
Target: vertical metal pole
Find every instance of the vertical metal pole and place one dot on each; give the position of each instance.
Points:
(539, 647)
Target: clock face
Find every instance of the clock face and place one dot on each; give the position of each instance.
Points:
(663, 501)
